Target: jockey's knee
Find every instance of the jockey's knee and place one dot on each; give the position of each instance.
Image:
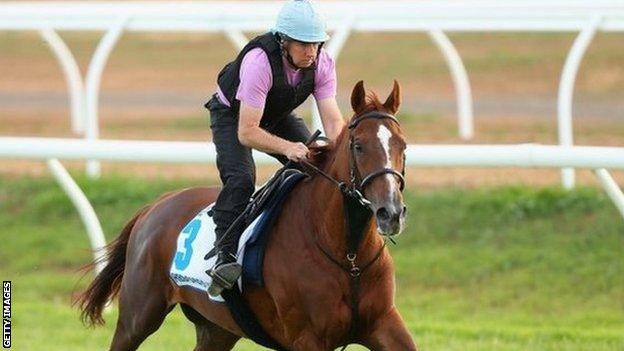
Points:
(242, 185)
(238, 189)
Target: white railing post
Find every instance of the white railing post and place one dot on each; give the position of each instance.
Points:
(75, 86)
(85, 210)
(612, 188)
(460, 80)
(566, 92)
(94, 77)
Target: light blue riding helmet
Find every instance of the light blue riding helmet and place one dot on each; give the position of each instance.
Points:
(299, 20)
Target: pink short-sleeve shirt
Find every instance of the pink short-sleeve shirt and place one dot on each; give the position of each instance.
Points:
(256, 79)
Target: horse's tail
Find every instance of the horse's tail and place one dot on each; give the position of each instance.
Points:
(106, 284)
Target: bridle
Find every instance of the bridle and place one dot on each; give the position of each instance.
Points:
(353, 168)
(358, 212)
(354, 188)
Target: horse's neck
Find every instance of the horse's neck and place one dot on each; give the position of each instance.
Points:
(327, 209)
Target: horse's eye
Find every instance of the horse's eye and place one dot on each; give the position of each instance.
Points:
(358, 148)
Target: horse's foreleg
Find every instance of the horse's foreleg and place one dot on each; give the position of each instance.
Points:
(390, 334)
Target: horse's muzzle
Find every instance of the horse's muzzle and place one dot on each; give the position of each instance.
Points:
(391, 219)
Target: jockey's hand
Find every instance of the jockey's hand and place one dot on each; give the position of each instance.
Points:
(296, 152)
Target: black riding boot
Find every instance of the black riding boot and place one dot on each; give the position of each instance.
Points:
(226, 270)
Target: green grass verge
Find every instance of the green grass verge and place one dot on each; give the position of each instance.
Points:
(510, 268)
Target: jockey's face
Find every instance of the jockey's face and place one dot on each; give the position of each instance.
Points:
(303, 54)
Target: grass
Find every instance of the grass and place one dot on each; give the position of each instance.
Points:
(506, 268)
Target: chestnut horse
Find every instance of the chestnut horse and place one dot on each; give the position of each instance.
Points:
(308, 301)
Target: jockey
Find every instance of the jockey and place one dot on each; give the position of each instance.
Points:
(253, 109)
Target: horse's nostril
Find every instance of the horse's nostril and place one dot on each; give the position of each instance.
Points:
(383, 214)
(404, 211)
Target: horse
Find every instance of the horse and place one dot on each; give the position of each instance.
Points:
(308, 301)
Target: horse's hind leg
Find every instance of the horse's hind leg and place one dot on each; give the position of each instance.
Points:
(211, 337)
(139, 316)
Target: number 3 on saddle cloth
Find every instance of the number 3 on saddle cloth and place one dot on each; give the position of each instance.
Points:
(196, 240)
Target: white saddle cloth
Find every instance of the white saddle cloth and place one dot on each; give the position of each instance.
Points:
(197, 238)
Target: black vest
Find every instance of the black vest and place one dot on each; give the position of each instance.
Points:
(282, 98)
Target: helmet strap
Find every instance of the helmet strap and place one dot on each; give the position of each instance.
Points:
(290, 59)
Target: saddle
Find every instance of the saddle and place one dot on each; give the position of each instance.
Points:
(261, 199)
(267, 192)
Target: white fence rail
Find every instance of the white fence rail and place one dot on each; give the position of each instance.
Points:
(234, 17)
(419, 155)
(525, 155)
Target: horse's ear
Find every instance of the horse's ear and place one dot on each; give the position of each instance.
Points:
(358, 97)
(394, 100)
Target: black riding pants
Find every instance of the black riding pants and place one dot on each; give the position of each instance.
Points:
(236, 165)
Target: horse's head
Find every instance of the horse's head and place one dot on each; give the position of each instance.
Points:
(377, 158)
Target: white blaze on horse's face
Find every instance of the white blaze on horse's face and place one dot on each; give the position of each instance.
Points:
(384, 136)
(387, 204)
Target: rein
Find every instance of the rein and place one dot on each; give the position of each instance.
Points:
(357, 215)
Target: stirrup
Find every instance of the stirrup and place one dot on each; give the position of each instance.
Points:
(224, 277)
